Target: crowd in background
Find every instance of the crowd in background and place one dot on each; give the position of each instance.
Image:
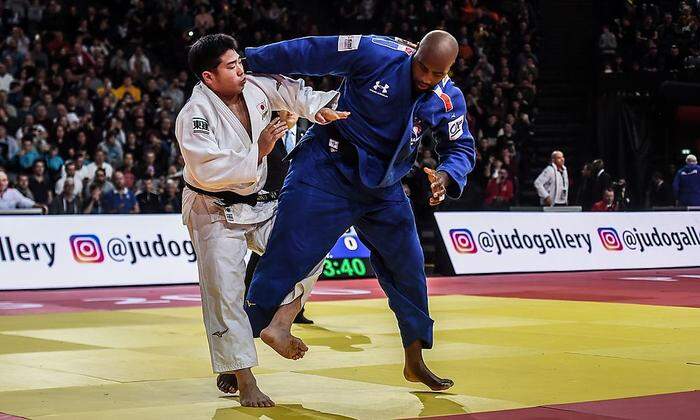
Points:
(89, 91)
(660, 38)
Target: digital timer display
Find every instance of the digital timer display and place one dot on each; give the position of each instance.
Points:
(345, 268)
(349, 258)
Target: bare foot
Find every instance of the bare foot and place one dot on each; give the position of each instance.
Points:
(422, 374)
(283, 342)
(252, 396)
(227, 383)
(415, 369)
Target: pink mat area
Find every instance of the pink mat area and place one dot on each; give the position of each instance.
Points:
(672, 287)
(676, 406)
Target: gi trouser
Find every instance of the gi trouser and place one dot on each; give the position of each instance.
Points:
(221, 248)
(316, 205)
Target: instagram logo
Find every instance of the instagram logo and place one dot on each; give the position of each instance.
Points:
(610, 239)
(463, 241)
(86, 249)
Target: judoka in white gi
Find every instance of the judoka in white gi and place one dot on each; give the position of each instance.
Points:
(224, 133)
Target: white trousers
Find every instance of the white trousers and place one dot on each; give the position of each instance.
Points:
(221, 248)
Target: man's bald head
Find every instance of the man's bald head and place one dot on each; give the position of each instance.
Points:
(436, 53)
(440, 44)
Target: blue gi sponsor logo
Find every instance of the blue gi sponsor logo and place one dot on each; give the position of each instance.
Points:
(381, 89)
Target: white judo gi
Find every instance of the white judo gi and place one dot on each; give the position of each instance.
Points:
(220, 156)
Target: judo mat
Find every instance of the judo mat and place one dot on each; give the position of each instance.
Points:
(587, 345)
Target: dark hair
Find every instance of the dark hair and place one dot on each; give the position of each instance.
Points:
(205, 54)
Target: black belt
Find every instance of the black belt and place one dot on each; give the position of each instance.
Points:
(229, 197)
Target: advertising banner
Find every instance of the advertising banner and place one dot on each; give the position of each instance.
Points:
(509, 242)
(46, 252)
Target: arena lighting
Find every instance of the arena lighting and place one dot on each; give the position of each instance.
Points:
(190, 33)
(685, 152)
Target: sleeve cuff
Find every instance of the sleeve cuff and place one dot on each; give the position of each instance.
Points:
(328, 100)
(454, 188)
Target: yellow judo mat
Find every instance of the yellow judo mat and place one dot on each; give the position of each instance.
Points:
(501, 352)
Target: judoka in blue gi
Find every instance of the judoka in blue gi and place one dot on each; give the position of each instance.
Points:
(349, 173)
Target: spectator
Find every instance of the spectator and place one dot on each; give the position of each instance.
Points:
(149, 201)
(101, 181)
(8, 146)
(23, 186)
(120, 200)
(128, 88)
(171, 201)
(607, 43)
(70, 173)
(686, 184)
(607, 203)
(67, 202)
(112, 149)
(94, 204)
(54, 162)
(660, 193)
(129, 170)
(99, 163)
(552, 184)
(499, 191)
(584, 193)
(40, 184)
(11, 199)
(139, 64)
(601, 180)
(5, 78)
(27, 155)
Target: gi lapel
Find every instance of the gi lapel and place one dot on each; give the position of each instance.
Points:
(229, 116)
(258, 109)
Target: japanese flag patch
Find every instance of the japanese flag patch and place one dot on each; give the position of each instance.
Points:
(262, 108)
(200, 125)
(348, 42)
(456, 128)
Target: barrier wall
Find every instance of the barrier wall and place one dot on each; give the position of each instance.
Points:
(38, 252)
(508, 242)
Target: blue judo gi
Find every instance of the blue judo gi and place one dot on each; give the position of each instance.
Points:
(349, 172)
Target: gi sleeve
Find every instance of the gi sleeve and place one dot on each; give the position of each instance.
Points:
(212, 167)
(544, 179)
(292, 95)
(455, 147)
(342, 55)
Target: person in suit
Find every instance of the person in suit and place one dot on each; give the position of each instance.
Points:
(601, 180)
(660, 192)
(277, 169)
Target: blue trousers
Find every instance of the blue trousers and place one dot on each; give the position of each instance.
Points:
(317, 205)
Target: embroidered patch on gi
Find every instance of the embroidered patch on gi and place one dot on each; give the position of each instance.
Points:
(262, 108)
(333, 145)
(349, 42)
(381, 89)
(200, 125)
(417, 131)
(456, 128)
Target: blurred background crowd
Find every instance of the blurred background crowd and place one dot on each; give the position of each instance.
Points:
(89, 92)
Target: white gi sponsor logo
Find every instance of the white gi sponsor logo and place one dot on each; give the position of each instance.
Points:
(456, 128)
(348, 42)
(200, 125)
(380, 89)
